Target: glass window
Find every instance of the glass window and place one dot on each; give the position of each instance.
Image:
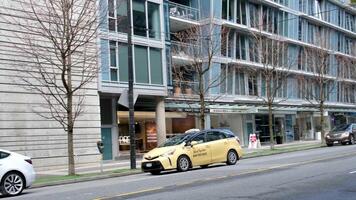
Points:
(243, 12)
(141, 64)
(139, 17)
(239, 83)
(112, 54)
(224, 9)
(252, 85)
(122, 19)
(230, 76)
(230, 44)
(123, 62)
(156, 66)
(199, 138)
(154, 25)
(3, 155)
(231, 10)
(254, 16)
(111, 13)
(212, 136)
(223, 76)
(113, 61)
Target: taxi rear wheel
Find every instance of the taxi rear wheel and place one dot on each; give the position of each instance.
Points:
(232, 157)
(183, 163)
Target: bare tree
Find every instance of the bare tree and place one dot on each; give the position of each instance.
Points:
(59, 39)
(201, 44)
(271, 52)
(317, 87)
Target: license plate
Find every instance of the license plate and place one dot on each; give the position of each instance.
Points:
(335, 142)
(148, 164)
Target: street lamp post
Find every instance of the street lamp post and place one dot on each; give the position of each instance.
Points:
(130, 92)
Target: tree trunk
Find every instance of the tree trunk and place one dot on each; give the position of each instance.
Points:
(322, 130)
(202, 101)
(202, 114)
(70, 122)
(270, 125)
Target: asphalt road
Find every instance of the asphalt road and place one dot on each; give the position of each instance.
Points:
(326, 173)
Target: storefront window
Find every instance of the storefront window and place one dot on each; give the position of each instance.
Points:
(154, 26)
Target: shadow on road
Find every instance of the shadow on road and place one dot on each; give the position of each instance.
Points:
(192, 169)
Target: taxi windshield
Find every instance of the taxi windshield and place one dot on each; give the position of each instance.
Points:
(178, 139)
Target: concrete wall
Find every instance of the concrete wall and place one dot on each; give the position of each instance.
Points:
(21, 129)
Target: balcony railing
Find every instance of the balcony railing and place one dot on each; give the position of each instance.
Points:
(183, 12)
(184, 49)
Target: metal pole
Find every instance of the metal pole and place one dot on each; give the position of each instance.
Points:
(130, 92)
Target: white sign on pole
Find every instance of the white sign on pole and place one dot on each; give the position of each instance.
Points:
(124, 98)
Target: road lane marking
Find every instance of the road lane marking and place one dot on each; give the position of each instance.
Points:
(353, 172)
(131, 193)
(249, 172)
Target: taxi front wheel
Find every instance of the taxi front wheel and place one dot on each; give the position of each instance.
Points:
(183, 163)
(232, 157)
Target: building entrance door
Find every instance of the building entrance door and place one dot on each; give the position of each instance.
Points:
(279, 130)
(249, 130)
(107, 141)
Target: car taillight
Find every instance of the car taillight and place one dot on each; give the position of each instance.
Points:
(238, 140)
(29, 161)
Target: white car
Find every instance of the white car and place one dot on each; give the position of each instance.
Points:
(16, 173)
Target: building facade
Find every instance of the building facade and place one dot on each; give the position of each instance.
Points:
(22, 128)
(166, 106)
(150, 75)
(300, 24)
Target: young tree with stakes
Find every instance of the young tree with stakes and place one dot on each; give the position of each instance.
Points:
(201, 44)
(271, 52)
(317, 87)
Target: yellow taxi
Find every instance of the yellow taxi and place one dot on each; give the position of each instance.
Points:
(201, 148)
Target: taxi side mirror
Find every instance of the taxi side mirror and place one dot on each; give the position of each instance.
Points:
(193, 143)
(100, 146)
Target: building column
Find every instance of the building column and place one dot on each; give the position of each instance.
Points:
(114, 130)
(207, 124)
(160, 121)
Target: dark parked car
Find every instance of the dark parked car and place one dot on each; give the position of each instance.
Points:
(342, 134)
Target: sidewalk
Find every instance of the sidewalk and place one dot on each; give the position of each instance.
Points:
(124, 161)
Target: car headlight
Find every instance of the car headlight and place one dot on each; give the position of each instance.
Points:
(345, 135)
(327, 136)
(168, 153)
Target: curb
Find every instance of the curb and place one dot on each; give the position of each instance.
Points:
(84, 179)
(114, 175)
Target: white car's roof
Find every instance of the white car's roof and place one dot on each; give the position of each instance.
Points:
(3, 150)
